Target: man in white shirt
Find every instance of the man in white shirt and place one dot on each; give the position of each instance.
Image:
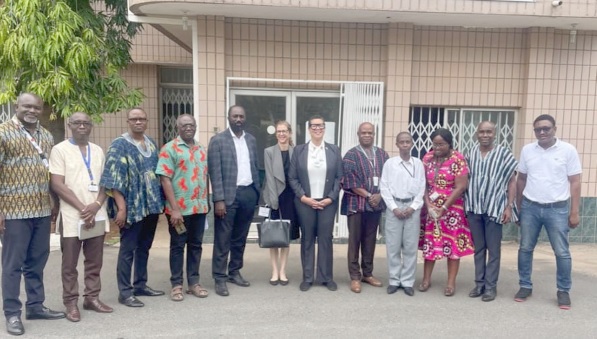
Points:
(548, 191)
(402, 187)
(232, 166)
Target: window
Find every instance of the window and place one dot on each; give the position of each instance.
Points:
(5, 112)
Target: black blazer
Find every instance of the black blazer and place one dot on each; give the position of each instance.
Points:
(298, 175)
(222, 167)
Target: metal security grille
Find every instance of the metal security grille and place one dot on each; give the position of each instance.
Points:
(5, 112)
(462, 122)
(176, 98)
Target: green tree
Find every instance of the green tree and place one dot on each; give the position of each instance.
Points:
(69, 52)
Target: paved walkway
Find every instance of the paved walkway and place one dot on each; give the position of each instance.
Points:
(265, 311)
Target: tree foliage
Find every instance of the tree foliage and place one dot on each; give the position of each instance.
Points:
(69, 53)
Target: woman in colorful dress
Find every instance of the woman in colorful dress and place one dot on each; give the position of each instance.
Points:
(279, 196)
(444, 228)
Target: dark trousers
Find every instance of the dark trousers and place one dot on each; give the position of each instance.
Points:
(362, 235)
(93, 251)
(230, 233)
(25, 250)
(487, 237)
(193, 239)
(135, 242)
(317, 224)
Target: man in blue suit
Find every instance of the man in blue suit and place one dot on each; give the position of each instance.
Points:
(232, 162)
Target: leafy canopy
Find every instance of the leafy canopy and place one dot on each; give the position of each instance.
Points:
(69, 53)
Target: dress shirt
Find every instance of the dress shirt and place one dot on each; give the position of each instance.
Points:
(548, 170)
(403, 180)
(243, 160)
(317, 168)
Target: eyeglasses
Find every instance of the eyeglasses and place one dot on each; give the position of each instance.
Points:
(282, 132)
(137, 119)
(317, 126)
(542, 129)
(443, 144)
(81, 123)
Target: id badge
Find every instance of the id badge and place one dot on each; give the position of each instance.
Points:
(433, 196)
(93, 188)
(264, 211)
(375, 181)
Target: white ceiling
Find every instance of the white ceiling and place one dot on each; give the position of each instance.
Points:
(180, 9)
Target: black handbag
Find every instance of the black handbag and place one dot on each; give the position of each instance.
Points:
(274, 233)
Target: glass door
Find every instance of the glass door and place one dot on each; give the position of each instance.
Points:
(324, 104)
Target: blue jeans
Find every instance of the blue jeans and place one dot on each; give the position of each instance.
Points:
(555, 220)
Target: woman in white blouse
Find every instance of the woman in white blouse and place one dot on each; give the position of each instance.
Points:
(314, 175)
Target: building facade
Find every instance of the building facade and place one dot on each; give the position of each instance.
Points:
(406, 65)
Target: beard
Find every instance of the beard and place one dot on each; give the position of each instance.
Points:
(237, 128)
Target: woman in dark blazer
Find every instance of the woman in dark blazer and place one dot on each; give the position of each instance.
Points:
(315, 173)
(279, 196)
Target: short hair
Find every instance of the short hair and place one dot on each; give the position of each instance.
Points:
(491, 123)
(403, 133)
(445, 134)
(184, 115)
(70, 119)
(316, 116)
(136, 109)
(234, 106)
(545, 117)
(31, 94)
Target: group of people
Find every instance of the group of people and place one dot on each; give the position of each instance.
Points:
(447, 205)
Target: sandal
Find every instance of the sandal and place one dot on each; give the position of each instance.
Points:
(176, 293)
(198, 291)
(449, 291)
(424, 286)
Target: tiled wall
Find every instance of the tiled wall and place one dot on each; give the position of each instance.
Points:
(151, 46)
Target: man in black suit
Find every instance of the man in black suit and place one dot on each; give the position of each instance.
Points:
(232, 162)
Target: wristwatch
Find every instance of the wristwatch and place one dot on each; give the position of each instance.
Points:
(368, 195)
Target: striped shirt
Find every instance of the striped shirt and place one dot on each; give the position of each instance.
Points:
(488, 181)
(359, 172)
(24, 178)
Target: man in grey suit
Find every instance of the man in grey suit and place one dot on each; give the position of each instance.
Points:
(232, 162)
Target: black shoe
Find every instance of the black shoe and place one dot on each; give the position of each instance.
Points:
(284, 282)
(274, 282)
(44, 313)
(522, 294)
(222, 289)
(564, 300)
(393, 289)
(147, 292)
(489, 294)
(14, 325)
(305, 286)
(131, 301)
(238, 280)
(331, 285)
(476, 292)
(409, 291)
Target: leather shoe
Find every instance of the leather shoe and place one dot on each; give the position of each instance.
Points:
(94, 304)
(331, 285)
(355, 286)
(393, 289)
(305, 286)
(14, 325)
(373, 281)
(131, 301)
(147, 292)
(476, 292)
(238, 280)
(72, 313)
(44, 313)
(409, 291)
(489, 294)
(222, 289)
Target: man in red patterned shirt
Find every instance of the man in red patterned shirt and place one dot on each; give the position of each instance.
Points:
(182, 167)
(362, 204)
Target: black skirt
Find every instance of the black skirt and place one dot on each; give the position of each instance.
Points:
(286, 208)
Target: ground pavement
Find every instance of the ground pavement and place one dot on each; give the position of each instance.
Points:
(265, 311)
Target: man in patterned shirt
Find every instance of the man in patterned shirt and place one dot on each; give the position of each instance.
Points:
(25, 211)
(182, 167)
(362, 204)
(135, 204)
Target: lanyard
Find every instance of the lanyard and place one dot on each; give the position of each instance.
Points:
(43, 157)
(86, 159)
(371, 162)
(412, 175)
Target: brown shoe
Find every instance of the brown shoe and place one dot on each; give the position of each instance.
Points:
(94, 304)
(373, 281)
(355, 286)
(72, 313)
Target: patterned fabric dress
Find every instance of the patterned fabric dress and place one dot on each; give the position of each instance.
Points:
(449, 236)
